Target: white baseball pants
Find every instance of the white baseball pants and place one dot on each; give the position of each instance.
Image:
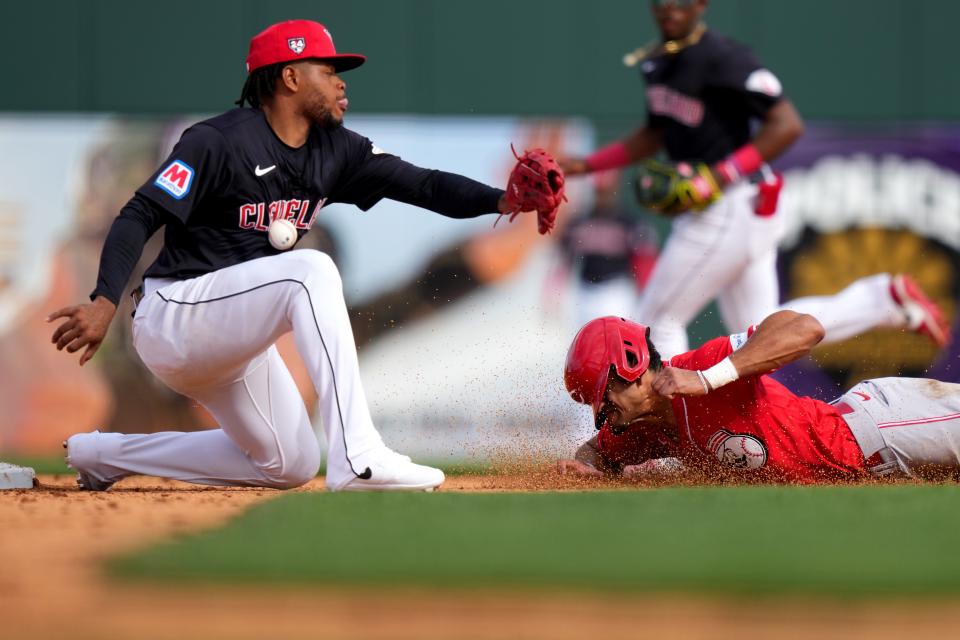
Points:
(211, 338)
(614, 297)
(725, 252)
(918, 418)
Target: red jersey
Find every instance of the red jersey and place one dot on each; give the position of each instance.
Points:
(753, 424)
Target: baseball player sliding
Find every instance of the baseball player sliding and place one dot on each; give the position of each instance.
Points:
(715, 410)
(703, 93)
(239, 190)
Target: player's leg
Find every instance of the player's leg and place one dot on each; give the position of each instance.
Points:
(683, 280)
(752, 295)
(195, 332)
(614, 297)
(880, 300)
(265, 437)
(704, 254)
(918, 418)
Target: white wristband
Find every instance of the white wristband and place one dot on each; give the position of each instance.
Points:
(721, 373)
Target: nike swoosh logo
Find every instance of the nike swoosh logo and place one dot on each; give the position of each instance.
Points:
(861, 394)
(265, 171)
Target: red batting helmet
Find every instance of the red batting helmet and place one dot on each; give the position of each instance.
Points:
(298, 40)
(603, 343)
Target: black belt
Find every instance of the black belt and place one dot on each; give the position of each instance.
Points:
(137, 296)
(883, 464)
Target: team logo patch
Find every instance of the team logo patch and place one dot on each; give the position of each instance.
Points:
(737, 340)
(297, 45)
(176, 179)
(763, 81)
(738, 450)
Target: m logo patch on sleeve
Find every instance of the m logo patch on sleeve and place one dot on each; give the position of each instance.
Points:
(176, 179)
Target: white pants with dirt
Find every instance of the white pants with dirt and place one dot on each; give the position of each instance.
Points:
(727, 253)
(918, 419)
(211, 338)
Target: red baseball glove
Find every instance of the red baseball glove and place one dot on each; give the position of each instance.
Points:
(536, 184)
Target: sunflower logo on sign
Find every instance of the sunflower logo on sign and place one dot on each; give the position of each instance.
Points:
(297, 45)
(823, 263)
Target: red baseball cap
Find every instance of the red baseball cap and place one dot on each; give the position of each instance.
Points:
(297, 40)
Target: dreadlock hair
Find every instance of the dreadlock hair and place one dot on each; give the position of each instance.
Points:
(261, 85)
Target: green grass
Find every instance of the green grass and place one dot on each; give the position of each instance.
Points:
(831, 541)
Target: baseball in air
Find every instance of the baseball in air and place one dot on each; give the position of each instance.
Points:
(282, 234)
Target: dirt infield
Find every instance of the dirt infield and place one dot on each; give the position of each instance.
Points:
(52, 540)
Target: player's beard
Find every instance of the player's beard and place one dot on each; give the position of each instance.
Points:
(318, 113)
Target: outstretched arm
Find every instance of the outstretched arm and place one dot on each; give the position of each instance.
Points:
(587, 461)
(641, 144)
(780, 339)
(780, 129)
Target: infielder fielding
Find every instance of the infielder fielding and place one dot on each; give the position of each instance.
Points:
(703, 94)
(239, 190)
(715, 410)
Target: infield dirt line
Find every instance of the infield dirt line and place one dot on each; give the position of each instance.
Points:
(54, 539)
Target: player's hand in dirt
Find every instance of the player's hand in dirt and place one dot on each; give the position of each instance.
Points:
(577, 468)
(85, 326)
(654, 468)
(672, 382)
(573, 166)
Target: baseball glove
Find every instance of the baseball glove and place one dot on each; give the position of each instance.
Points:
(672, 189)
(536, 184)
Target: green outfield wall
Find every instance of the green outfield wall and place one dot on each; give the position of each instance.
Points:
(861, 60)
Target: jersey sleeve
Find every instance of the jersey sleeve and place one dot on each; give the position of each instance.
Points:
(739, 71)
(196, 168)
(712, 352)
(372, 174)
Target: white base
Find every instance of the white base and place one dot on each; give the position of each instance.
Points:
(14, 477)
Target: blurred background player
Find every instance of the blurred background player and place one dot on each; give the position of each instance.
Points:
(610, 252)
(704, 95)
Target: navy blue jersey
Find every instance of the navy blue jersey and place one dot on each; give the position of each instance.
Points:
(605, 244)
(230, 176)
(704, 97)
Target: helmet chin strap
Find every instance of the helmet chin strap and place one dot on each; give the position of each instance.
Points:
(600, 419)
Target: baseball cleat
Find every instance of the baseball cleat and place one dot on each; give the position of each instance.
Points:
(923, 314)
(391, 471)
(85, 481)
